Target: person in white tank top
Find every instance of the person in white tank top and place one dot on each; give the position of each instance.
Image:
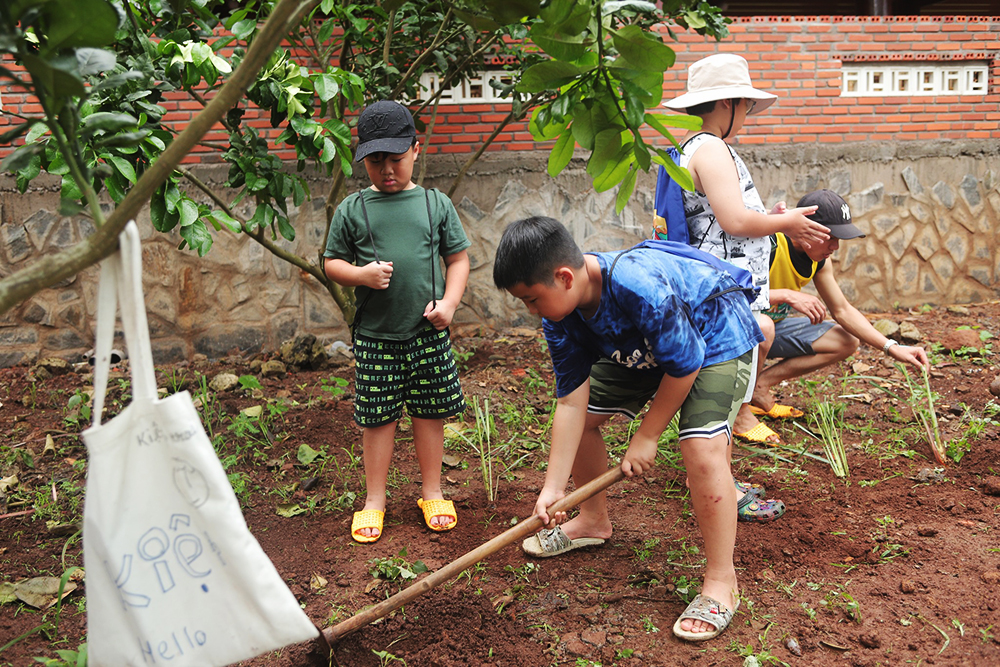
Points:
(725, 213)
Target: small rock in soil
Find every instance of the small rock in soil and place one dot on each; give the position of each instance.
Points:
(887, 328)
(992, 577)
(956, 340)
(909, 333)
(907, 586)
(927, 531)
(793, 646)
(991, 486)
(870, 640)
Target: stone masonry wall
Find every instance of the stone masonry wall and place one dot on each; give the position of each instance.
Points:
(931, 211)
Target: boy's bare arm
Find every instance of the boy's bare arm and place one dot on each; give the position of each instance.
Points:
(857, 324)
(715, 174)
(375, 275)
(670, 395)
(568, 423)
(807, 304)
(456, 278)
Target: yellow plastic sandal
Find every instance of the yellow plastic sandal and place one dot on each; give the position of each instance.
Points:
(778, 411)
(433, 508)
(367, 519)
(761, 434)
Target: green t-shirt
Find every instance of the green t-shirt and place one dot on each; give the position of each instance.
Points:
(402, 236)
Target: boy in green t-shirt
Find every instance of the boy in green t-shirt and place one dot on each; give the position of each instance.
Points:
(388, 241)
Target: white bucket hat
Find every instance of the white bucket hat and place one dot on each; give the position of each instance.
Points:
(724, 76)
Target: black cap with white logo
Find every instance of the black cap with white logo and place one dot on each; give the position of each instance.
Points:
(833, 212)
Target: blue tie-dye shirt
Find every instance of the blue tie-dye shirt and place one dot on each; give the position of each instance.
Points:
(658, 320)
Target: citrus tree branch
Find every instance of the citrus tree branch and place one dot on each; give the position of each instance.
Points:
(53, 269)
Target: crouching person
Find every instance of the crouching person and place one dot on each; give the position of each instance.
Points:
(624, 329)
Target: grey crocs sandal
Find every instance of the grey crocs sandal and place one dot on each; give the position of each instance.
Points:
(554, 541)
(709, 610)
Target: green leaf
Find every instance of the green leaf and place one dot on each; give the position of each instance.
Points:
(289, 510)
(123, 139)
(642, 51)
(80, 23)
(583, 127)
(20, 158)
(225, 219)
(676, 172)
(327, 87)
(625, 191)
(634, 5)
(561, 153)
(107, 121)
(243, 29)
(188, 212)
(616, 169)
(57, 76)
(285, 228)
(607, 143)
(93, 61)
(69, 189)
(198, 237)
(558, 45)
(172, 197)
(682, 121)
(124, 167)
(548, 75)
(306, 454)
(641, 152)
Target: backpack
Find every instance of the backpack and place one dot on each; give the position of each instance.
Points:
(742, 277)
(669, 205)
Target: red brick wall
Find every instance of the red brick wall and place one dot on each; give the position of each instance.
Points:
(797, 57)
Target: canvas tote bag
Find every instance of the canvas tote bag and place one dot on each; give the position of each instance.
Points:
(173, 574)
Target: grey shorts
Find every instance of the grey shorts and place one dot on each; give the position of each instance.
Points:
(794, 336)
(709, 409)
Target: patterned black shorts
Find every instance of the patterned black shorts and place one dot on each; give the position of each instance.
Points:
(419, 372)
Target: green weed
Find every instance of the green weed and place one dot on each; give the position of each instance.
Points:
(395, 568)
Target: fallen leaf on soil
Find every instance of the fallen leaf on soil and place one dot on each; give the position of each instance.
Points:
(253, 411)
(7, 592)
(502, 601)
(793, 646)
(317, 582)
(289, 510)
(372, 585)
(827, 644)
(967, 523)
(8, 483)
(41, 592)
(451, 460)
(860, 367)
(50, 445)
(865, 398)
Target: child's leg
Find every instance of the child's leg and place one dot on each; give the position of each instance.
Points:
(746, 420)
(428, 441)
(378, 442)
(713, 498)
(591, 462)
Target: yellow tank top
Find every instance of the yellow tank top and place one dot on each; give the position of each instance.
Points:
(783, 275)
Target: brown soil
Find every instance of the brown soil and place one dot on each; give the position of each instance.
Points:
(898, 565)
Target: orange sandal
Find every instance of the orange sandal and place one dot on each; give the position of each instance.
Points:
(367, 519)
(777, 411)
(761, 434)
(433, 508)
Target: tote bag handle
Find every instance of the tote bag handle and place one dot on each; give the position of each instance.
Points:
(121, 280)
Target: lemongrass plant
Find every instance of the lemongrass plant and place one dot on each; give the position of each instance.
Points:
(826, 419)
(922, 404)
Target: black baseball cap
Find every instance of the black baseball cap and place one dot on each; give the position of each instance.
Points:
(384, 127)
(833, 212)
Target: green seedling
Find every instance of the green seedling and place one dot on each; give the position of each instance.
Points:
(249, 383)
(645, 552)
(921, 401)
(395, 568)
(334, 386)
(648, 625)
(828, 419)
(525, 571)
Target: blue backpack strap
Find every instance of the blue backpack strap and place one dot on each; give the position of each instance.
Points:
(742, 277)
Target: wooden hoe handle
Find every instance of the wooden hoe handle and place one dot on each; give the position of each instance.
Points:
(456, 567)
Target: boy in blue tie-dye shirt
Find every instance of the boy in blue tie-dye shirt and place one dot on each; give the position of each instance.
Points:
(659, 327)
